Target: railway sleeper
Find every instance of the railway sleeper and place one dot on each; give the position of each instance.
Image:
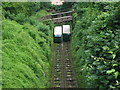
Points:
(57, 66)
(68, 62)
(56, 86)
(59, 73)
(58, 62)
(69, 70)
(66, 50)
(68, 65)
(69, 75)
(69, 84)
(67, 47)
(58, 70)
(57, 82)
(58, 59)
(56, 79)
(58, 46)
(57, 54)
(58, 50)
(67, 59)
(67, 54)
(69, 79)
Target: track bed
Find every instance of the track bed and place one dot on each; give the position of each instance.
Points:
(62, 75)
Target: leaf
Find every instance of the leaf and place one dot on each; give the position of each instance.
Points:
(117, 82)
(97, 49)
(94, 76)
(104, 62)
(113, 56)
(105, 48)
(112, 86)
(110, 52)
(116, 46)
(116, 74)
(107, 34)
(110, 71)
(115, 65)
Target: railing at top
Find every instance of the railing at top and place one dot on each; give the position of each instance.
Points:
(58, 17)
(62, 19)
(68, 12)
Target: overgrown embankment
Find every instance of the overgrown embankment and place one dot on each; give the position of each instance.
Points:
(26, 46)
(96, 44)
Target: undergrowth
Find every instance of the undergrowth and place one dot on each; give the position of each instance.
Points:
(96, 44)
(26, 48)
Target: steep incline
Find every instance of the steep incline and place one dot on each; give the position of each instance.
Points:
(62, 70)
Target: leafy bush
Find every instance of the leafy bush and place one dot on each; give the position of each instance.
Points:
(25, 61)
(26, 45)
(96, 52)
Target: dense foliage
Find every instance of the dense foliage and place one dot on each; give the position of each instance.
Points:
(0, 45)
(96, 44)
(26, 46)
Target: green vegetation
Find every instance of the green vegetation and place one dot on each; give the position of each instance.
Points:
(0, 45)
(26, 46)
(96, 44)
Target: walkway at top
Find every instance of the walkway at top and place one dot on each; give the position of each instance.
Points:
(58, 17)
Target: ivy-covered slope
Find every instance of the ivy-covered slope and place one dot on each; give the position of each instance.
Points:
(26, 50)
(96, 44)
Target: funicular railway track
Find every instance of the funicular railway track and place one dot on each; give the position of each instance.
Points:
(62, 71)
